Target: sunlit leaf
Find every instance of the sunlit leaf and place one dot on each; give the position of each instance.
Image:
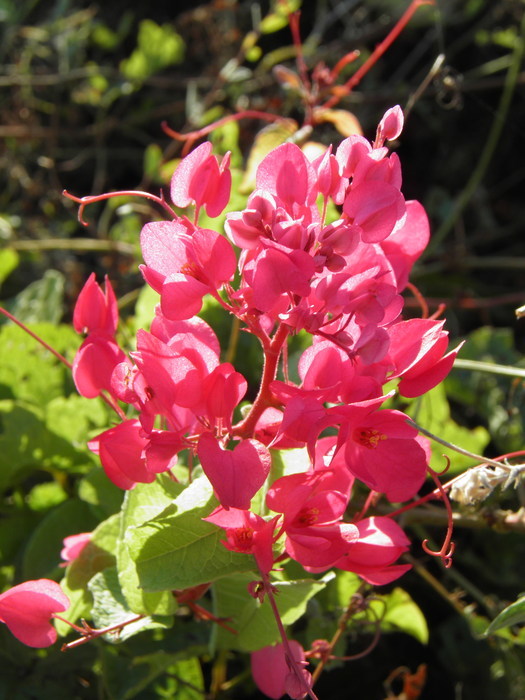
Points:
(513, 614)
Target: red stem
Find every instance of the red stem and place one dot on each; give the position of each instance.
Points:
(245, 428)
(193, 136)
(88, 633)
(107, 399)
(36, 337)
(447, 548)
(377, 53)
(292, 663)
(301, 65)
(90, 199)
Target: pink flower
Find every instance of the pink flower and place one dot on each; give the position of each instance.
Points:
(96, 310)
(247, 533)
(199, 179)
(404, 246)
(375, 207)
(390, 126)
(416, 351)
(121, 451)
(277, 272)
(380, 543)
(94, 363)
(73, 545)
(313, 505)
(286, 173)
(273, 675)
(184, 266)
(236, 475)
(27, 610)
(383, 451)
(223, 388)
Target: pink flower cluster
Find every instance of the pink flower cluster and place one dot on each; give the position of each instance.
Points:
(281, 268)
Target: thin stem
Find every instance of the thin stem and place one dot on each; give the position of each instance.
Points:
(489, 367)
(447, 548)
(419, 298)
(36, 337)
(457, 448)
(288, 652)
(107, 399)
(193, 136)
(88, 633)
(90, 199)
(351, 609)
(377, 52)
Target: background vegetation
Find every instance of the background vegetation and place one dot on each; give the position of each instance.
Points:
(84, 90)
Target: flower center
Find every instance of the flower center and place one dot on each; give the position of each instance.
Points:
(243, 538)
(368, 437)
(308, 516)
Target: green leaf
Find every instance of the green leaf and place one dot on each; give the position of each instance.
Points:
(286, 462)
(8, 262)
(403, 615)
(27, 445)
(145, 307)
(177, 549)
(45, 496)
(30, 372)
(513, 614)
(254, 621)
(157, 47)
(125, 678)
(41, 300)
(141, 504)
(110, 608)
(152, 163)
(96, 556)
(339, 591)
(42, 553)
(74, 418)
(97, 490)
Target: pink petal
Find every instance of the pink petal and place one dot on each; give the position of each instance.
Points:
(235, 475)
(27, 610)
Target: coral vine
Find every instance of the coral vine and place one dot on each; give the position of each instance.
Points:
(280, 268)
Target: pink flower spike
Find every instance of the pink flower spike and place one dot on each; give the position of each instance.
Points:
(272, 674)
(73, 545)
(235, 475)
(199, 179)
(27, 610)
(96, 310)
